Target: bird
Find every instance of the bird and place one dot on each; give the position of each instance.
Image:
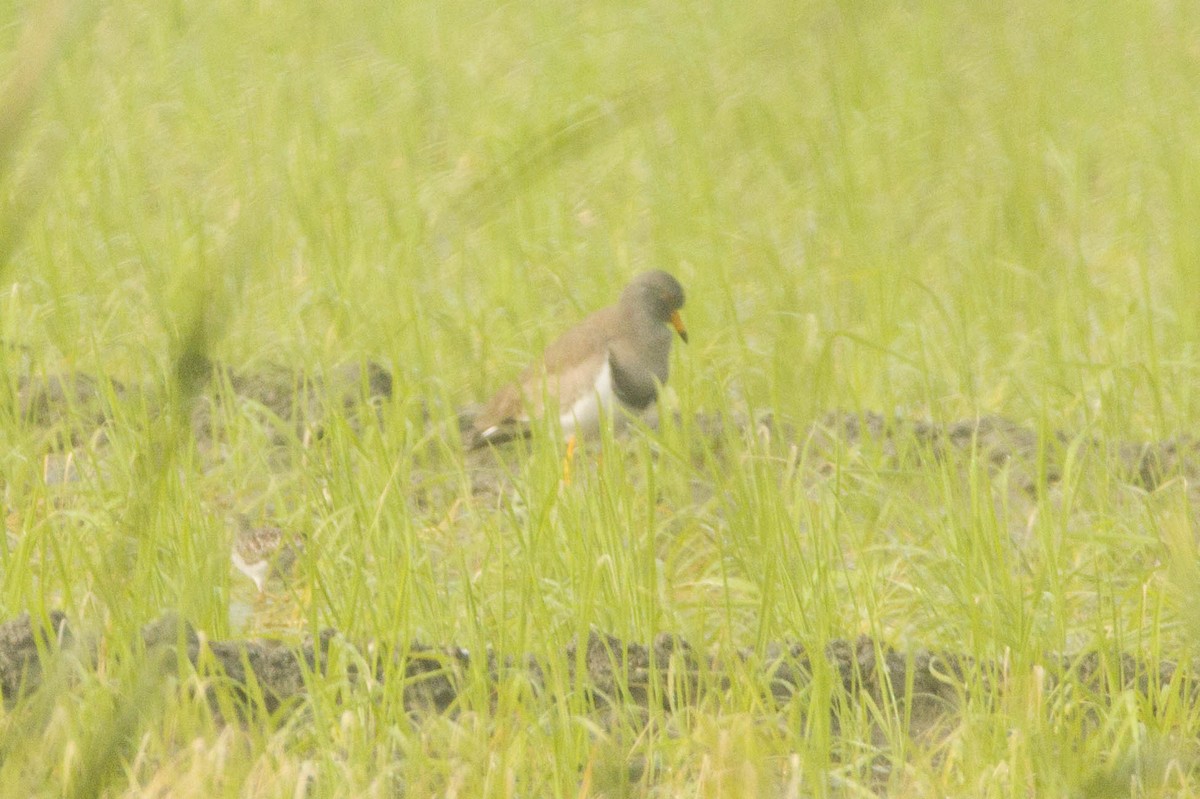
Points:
(618, 356)
(263, 551)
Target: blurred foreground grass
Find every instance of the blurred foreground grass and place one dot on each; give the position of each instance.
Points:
(931, 208)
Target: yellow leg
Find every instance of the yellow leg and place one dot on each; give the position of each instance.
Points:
(567, 460)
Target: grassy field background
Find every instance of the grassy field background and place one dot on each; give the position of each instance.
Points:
(935, 209)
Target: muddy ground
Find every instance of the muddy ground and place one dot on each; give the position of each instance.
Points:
(74, 409)
(928, 686)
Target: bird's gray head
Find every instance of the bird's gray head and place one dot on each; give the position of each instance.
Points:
(658, 294)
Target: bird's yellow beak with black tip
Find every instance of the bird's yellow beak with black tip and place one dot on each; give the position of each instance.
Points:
(677, 323)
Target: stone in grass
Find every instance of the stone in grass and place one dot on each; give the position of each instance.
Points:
(20, 661)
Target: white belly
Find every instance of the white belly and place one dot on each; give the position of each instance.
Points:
(584, 415)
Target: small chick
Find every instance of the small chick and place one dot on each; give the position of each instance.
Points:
(260, 552)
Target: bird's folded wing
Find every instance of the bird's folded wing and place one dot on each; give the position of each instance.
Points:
(568, 368)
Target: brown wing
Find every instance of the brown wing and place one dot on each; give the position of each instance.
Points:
(584, 342)
(566, 370)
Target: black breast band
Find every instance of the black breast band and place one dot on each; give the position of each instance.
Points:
(631, 391)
